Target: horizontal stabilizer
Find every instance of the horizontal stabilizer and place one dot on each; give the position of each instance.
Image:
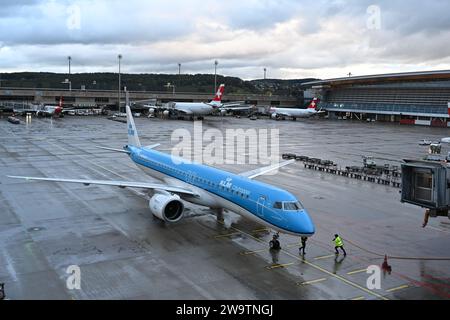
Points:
(115, 150)
(153, 146)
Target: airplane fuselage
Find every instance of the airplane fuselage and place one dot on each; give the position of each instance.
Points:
(194, 109)
(220, 189)
(294, 113)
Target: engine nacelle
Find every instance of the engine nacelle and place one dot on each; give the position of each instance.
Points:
(166, 113)
(168, 208)
(274, 116)
(151, 111)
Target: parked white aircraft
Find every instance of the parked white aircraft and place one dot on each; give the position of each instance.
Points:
(446, 140)
(50, 111)
(200, 109)
(281, 113)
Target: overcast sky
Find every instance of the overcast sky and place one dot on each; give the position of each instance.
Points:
(291, 38)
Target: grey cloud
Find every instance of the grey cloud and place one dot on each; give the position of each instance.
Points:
(154, 36)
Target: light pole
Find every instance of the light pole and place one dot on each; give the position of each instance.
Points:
(69, 58)
(265, 73)
(216, 63)
(169, 85)
(179, 69)
(120, 80)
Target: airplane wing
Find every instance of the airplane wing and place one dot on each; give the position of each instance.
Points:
(233, 104)
(237, 108)
(282, 113)
(120, 184)
(262, 171)
(185, 111)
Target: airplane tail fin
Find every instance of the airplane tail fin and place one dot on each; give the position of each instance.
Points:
(314, 103)
(59, 108)
(219, 94)
(133, 139)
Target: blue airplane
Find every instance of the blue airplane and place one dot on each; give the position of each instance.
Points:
(183, 180)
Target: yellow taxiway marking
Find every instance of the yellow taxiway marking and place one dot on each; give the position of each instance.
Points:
(358, 298)
(398, 288)
(278, 266)
(227, 235)
(331, 274)
(312, 282)
(325, 257)
(247, 253)
(357, 271)
(294, 245)
(260, 230)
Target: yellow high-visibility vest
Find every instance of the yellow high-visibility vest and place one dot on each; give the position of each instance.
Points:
(338, 241)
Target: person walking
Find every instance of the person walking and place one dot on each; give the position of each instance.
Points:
(339, 244)
(303, 247)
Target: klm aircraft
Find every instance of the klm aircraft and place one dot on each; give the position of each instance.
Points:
(272, 207)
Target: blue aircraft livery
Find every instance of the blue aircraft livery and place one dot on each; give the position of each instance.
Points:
(183, 180)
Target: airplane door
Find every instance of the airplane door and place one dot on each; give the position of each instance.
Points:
(260, 206)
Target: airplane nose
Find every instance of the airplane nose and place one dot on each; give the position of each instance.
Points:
(304, 224)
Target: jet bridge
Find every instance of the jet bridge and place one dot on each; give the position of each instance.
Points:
(427, 184)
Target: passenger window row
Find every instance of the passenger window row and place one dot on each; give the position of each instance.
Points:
(195, 179)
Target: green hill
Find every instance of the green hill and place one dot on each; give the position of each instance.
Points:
(199, 83)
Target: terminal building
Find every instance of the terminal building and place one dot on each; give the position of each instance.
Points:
(108, 99)
(420, 98)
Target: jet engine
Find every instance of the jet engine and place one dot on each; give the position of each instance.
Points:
(166, 113)
(274, 116)
(168, 208)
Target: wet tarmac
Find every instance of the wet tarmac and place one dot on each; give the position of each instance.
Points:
(125, 253)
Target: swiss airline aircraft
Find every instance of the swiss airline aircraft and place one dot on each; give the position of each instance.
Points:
(200, 109)
(51, 111)
(281, 113)
(183, 180)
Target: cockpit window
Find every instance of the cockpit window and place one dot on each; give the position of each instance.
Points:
(278, 205)
(292, 206)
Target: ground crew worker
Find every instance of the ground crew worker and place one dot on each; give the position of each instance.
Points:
(275, 244)
(304, 239)
(339, 244)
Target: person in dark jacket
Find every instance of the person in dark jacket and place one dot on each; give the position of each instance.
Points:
(303, 247)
